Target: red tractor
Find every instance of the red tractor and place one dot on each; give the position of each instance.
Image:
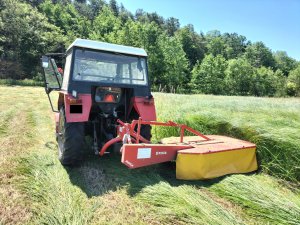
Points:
(101, 83)
(104, 92)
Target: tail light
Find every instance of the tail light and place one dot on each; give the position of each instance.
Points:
(73, 100)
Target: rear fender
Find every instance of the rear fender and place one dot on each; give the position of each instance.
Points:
(77, 109)
(145, 107)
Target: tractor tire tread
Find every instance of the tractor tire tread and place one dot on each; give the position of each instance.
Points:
(74, 137)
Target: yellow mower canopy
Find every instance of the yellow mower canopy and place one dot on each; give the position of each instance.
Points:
(220, 156)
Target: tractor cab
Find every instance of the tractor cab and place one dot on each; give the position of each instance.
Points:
(90, 65)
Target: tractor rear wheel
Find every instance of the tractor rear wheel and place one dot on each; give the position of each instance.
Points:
(70, 141)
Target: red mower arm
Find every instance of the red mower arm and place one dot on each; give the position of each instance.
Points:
(126, 132)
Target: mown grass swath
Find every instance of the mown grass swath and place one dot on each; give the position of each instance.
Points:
(55, 200)
(187, 204)
(15, 136)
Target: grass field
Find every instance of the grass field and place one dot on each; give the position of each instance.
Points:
(36, 189)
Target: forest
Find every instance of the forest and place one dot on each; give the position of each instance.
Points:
(180, 59)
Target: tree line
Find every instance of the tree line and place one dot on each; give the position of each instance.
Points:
(180, 59)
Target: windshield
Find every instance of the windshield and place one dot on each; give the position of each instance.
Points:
(109, 67)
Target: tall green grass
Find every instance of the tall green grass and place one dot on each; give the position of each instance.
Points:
(273, 124)
(262, 197)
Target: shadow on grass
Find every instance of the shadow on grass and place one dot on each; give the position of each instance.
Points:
(97, 176)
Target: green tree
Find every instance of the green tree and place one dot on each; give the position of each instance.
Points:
(34, 2)
(154, 17)
(105, 26)
(259, 55)
(175, 74)
(140, 15)
(239, 77)
(26, 36)
(172, 25)
(131, 34)
(235, 45)
(280, 83)
(114, 7)
(124, 14)
(193, 44)
(216, 46)
(84, 10)
(208, 76)
(81, 1)
(213, 34)
(284, 62)
(96, 6)
(149, 38)
(264, 83)
(67, 18)
(294, 82)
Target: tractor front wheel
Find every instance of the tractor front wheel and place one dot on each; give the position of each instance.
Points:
(70, 139)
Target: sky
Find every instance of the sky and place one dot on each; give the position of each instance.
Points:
(275, 22)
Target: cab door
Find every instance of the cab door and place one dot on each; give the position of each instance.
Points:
(52, 77)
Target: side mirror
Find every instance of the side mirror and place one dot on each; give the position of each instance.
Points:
(45, 61)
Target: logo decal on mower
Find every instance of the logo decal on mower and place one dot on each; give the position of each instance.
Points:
(161, 153)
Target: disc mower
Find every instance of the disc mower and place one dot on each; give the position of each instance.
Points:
(104, 92)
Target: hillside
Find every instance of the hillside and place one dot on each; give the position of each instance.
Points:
(36, 189)
(181, 58)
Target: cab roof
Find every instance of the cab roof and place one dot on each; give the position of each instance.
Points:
(98, 45)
